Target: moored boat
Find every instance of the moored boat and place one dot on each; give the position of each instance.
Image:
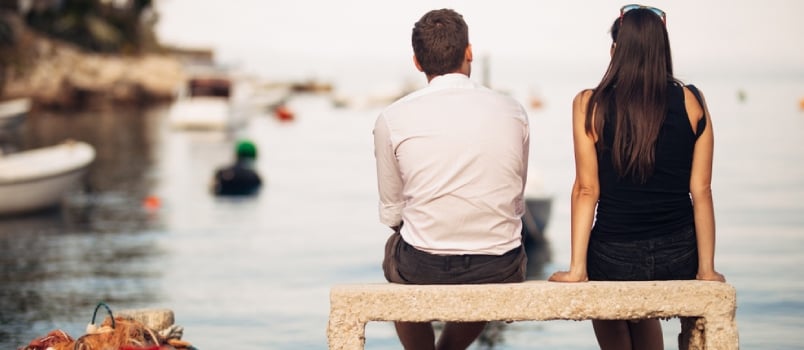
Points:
(534, 223)
(38, 179)
(537, 215)
(211, 100)
(13, 112)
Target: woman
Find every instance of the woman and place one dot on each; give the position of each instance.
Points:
(643, 155)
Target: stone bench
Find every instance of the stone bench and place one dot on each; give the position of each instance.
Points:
(706, 309)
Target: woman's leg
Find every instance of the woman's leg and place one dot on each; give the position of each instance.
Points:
(625, 335)
(459, 335)
(612, 334)
(416, 335)
(646, 334)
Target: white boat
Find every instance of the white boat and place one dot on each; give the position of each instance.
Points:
(200, 113)
(38, 179)
(13, 112)
(209, 101)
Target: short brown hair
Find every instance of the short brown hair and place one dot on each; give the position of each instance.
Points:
(439, 41)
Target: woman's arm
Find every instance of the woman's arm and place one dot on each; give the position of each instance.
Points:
(701, 190)
(585, 192)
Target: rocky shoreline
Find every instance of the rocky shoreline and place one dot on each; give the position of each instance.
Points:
(57, 75)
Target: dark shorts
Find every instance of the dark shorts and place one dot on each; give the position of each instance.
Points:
(671, 257)
(407, 265)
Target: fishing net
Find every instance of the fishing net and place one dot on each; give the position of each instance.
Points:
(114, 333)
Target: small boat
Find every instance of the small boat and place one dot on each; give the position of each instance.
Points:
(38, 179)
(538, 205)
(207, 102)
(534, 223)
(537, 215)
(13, 112)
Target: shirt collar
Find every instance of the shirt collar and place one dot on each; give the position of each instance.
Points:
(441, 82)
(451, 80)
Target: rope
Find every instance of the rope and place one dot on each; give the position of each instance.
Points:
(107, 309)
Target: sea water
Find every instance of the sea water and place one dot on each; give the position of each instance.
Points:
(255, 273)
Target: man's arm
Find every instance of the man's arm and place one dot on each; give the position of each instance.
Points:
(389, 179)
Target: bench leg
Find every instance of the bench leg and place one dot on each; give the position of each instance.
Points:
(692, 333)
(712, 333)
(346, 333)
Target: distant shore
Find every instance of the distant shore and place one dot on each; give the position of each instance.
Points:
(57, 75)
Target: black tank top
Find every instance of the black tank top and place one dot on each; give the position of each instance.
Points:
(629, 210)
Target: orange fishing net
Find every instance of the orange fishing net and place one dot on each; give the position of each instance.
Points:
(115, 333)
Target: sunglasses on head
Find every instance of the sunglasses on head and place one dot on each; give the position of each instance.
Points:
(630, 7)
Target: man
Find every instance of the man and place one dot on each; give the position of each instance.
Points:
(452, 161)
(240, 178)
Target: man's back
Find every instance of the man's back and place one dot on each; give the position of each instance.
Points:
(461, 153)
(452, 161)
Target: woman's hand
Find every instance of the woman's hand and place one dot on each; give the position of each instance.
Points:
(568, 276)
(710, 276)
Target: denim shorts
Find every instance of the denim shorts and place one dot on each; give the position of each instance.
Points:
(405, 264)
(670, 257)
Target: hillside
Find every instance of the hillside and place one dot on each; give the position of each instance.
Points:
(57, 73)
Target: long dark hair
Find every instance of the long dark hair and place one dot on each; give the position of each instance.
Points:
(636, 82)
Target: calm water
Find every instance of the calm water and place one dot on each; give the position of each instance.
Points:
(255, 273)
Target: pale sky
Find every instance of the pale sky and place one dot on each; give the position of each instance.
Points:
(722, 33)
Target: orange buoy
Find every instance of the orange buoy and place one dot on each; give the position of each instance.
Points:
(536, 103)
(151, 203)
(283, 113)
(801, 103)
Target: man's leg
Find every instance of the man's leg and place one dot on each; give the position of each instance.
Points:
(459, 335)
(416, 335)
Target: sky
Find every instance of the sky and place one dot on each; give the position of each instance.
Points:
(712, 33)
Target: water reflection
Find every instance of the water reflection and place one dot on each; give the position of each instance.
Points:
(100, 245)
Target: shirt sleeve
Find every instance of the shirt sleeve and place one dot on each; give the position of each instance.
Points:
(525, 158)
(389, 178)
(520, 210)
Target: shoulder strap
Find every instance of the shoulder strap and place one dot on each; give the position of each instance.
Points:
(696, 93)
(702, 122)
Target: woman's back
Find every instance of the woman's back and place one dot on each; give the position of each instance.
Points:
(629, 209)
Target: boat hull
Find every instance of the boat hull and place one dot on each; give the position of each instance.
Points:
(13, 112)
(38, 179)
(534, 223)
(207, 113)
(37, 194)
(537, 214)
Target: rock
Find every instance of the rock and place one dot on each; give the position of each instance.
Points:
(155, 319)
(59, 75)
